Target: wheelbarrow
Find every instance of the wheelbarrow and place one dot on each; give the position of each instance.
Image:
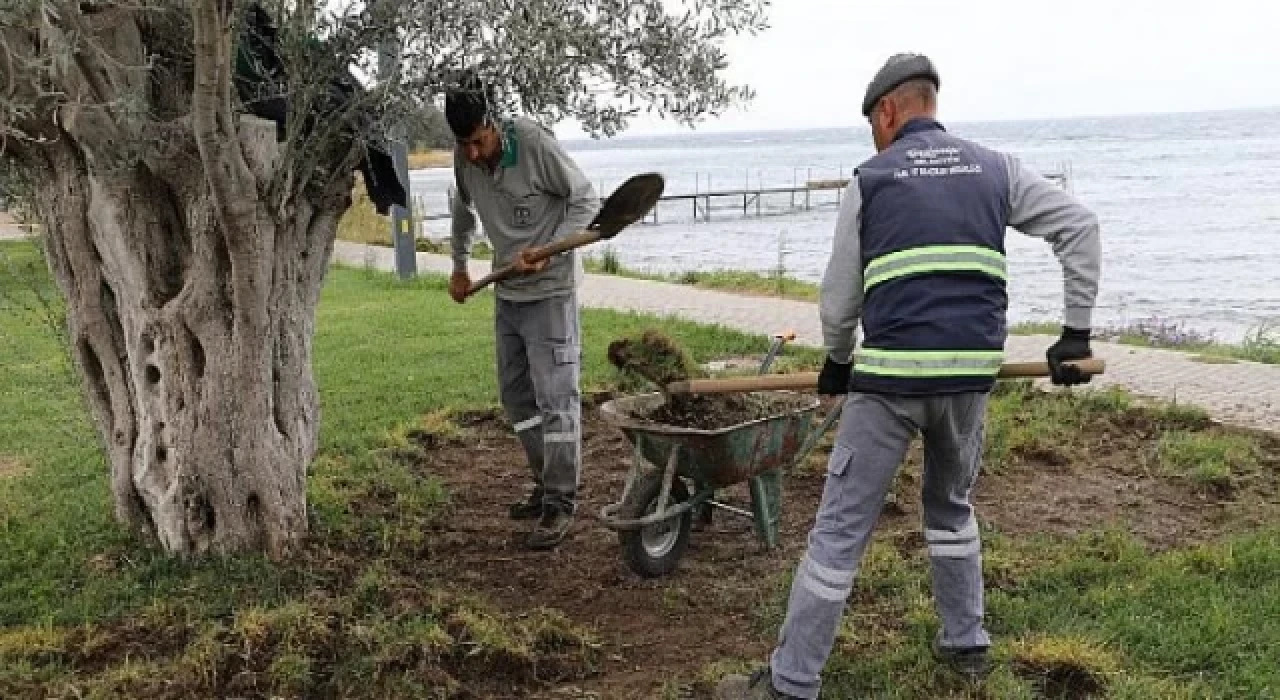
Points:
(654, 518)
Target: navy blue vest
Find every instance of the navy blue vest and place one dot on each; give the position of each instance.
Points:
(934, 212)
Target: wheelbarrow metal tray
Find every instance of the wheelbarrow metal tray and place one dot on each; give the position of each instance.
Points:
(721, 457)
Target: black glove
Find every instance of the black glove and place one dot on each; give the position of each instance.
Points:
(834, 378)
(1073, 345)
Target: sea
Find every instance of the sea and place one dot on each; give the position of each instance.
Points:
(1189, 206)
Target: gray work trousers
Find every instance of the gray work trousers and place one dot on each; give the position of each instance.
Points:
(874, 434)
(538, 353)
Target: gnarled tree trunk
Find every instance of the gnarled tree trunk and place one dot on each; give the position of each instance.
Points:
(191, 283)
(193, 334)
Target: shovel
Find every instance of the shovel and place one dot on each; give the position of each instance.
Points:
(627, 205)
(808, 381)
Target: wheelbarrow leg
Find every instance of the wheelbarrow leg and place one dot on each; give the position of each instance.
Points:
(706, 515)
(766, 505)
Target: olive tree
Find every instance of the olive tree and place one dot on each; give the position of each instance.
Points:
(189, 161)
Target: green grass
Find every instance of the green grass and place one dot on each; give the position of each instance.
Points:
(1097, 611)
(1261, 344)
(1207, 457)
(1026, 422)
(361, 614)
(1036, 328)
(359, 603)
(388, 351)
(736, 281)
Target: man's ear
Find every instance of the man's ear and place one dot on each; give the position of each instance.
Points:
(888, 113)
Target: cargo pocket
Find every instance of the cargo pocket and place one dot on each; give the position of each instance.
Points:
(563, 391)
(831, 516)
(563, 354)
(566, 354)
(840, 459)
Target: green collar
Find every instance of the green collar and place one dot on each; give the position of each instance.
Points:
(510, 145)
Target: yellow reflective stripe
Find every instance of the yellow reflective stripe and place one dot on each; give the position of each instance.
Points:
(990, 355)
(929, 363)
(896, 272)
(940, 258)
(944, 249)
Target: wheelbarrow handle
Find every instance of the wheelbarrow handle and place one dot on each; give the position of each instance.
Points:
(808, 381)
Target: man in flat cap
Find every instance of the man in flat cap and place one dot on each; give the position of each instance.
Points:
(919, 261)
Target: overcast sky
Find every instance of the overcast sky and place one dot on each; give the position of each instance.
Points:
(1004, 59)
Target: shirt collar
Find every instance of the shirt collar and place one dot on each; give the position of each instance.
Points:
(510, 146)
(917, 125)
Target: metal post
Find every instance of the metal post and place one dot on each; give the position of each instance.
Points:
(402, 234)
(709, 191)
(697, 185)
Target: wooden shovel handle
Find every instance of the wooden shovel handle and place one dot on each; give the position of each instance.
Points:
(800, 381)
(565, 244)
(808, 381)
(576, 240)
(1014, 370)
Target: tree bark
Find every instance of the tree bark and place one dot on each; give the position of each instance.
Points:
(191, 256)
(195, 350)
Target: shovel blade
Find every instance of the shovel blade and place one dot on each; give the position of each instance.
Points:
(627, 204)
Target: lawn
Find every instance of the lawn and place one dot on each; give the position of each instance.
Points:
(1102, 597)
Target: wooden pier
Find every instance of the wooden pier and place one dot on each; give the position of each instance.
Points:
(701, 202)
(801, 197)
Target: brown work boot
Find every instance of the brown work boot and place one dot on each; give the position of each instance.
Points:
(759, 686)
(552, 527)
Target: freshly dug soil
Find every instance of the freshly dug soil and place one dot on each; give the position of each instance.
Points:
(657, 637)
(717, 411)
(654, 357)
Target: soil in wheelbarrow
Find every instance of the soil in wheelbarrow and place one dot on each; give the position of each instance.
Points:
(653, 358)
(658, 638)
(714, 412)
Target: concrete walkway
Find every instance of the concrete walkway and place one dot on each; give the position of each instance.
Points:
(1244, 393)
(10, 231)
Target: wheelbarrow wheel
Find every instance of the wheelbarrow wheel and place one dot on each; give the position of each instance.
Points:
(654, 550)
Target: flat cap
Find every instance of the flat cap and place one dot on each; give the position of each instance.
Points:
(897, 70)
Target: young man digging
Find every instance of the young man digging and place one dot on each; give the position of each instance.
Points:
(919, 262)
(527, 192)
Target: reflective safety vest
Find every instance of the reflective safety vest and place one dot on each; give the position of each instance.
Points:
(934, 212)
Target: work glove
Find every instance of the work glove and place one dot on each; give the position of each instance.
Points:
(833, 380)
(1072, 345)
